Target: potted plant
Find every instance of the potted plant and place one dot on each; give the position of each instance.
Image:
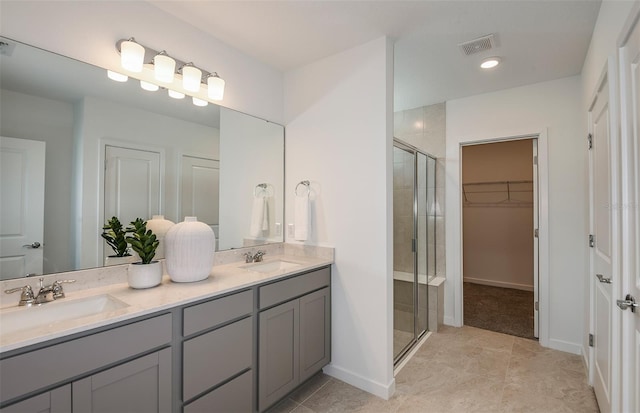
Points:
(115, 234)
(146, 273)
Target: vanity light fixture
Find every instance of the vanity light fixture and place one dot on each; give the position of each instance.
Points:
(149, 86)
(170, 72)
(118, 77)
(164, 67)
(191, 77)
(176, 95)
(131, 55)
(199, 102)
(215, 87)
(490, 62)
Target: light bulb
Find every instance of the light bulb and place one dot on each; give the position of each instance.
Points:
(149, 86)
(175, 94)
(199, 102)
(215, 87)
(164, 68)
(490, 62)
(118, 77)
(191, 78)
(131, 56)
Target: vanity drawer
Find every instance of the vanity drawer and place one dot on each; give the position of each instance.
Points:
(212, 313)
(213, 357)
(34, 370)
(233, 397)
(285, 290)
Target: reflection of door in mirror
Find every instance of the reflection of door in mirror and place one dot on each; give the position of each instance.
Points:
(131, 185)
(21, 207)
(200, 190)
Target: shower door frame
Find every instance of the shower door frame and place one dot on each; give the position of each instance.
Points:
(417, 335)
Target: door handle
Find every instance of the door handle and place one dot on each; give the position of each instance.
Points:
(603, 280)
(628, 302)
(35, 245)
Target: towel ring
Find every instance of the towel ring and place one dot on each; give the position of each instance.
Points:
(261, 189)
(306, 184)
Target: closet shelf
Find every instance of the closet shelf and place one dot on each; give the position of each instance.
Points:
(498, 193)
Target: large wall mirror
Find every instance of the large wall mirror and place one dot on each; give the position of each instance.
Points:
(78, 148)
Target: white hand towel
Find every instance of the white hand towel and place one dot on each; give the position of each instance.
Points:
(257, 216)
(265, 216)
(301, 215)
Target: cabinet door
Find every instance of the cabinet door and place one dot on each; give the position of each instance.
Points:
(54, 401)
(315, 332)
(141, 385)
(278, 353)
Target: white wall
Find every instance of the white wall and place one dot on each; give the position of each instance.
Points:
(252, 152)
(104, 121)
(89, 30)
(339, 120)
(611, 18)
(555, 107)
(51, 121)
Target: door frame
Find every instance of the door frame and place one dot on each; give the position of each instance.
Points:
(454, 255)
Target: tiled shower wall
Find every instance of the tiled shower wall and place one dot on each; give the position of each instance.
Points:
(425, 128)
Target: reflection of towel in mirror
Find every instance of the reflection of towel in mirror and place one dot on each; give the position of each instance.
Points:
(259, 216)
(301, 213)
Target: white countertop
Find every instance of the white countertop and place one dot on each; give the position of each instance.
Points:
(223, 279)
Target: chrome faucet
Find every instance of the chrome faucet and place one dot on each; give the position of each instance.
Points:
(46, 293)
(250, 257)
(257, 257)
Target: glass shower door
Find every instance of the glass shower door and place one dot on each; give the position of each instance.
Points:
(403, 250)
(422, 243)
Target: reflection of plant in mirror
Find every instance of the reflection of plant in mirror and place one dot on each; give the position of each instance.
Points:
(115, 234)
(142, 240)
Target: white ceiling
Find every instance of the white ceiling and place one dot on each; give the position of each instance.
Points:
(538, 40)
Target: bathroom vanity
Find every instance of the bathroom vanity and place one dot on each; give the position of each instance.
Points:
(237, 342)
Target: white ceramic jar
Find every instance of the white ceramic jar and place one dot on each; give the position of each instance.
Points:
(159, 226)
(189, 249)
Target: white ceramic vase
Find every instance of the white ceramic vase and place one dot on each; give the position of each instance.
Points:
(189, 249)
(159, 226)
(115, 260)
(141, 275)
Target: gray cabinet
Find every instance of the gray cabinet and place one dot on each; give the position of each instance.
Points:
(218, 355)
(142, 385)
(54, 401)
(71, 365)
(295, 336)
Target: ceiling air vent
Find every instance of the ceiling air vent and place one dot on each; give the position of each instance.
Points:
(478, 45)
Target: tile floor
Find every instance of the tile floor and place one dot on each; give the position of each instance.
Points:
(463, 370)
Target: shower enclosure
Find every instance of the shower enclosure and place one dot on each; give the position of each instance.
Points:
(413, 244)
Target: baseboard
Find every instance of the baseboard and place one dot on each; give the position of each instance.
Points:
(567, 347)
(501, 284)
(370, 386)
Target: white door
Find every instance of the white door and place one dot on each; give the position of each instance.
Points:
(132, 185)
(629, 59)
(603, 228)
(21, 207)
(200, 189)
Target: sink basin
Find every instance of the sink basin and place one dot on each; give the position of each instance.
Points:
(26, 318)
(271, 266)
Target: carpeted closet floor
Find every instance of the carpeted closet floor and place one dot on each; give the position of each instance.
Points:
(503, 310)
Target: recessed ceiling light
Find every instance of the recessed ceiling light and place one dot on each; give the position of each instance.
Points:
(490, 62)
